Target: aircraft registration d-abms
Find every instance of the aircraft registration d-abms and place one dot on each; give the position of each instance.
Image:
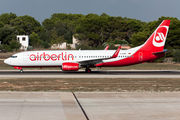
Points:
(73, 60)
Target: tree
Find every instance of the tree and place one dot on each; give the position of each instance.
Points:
(117, 41)
(45, 44)
(7, 17)
(176, 56)
(14, 44)
(48, 24)
(104, 15)
(99, 29)
(139, 38)
(7, 33)
(1, 24)
(83, 46)
(34, 40)
(26, 25)
(134, 26)
(68, 36)
(58, 40)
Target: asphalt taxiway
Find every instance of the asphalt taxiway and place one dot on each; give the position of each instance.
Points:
(93, 74)
(90, 106)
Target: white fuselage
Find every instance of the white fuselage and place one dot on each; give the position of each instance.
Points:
(57, 57)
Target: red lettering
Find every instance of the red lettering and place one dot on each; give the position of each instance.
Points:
(62, 56)
(41, 56)
(65, 56)
(71, 56)
(48, 57)
(37, 56)
(54, 57)
(59, 56)
(34, 57)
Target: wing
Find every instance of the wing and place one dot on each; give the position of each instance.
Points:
(106, 47)
(95, 61)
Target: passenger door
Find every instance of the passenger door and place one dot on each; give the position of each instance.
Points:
(25, 57)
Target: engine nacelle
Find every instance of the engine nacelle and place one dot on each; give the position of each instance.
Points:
(70, 66)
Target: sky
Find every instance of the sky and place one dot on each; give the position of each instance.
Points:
(144, 10)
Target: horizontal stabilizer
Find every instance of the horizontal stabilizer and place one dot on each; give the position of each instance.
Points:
(164, 51)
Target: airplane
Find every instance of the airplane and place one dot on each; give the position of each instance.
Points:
(73, 60)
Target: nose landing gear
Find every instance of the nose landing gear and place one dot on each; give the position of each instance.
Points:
(88, 70)
(21, 70)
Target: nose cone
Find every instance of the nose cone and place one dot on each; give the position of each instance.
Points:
(7, 61)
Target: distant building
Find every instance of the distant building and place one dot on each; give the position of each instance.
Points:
(64, 44)
(74, 43)
(123, 46)
(59, 46)
(24, 40)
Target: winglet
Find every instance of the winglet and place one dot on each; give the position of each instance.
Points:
(116, 53)
(106, 47)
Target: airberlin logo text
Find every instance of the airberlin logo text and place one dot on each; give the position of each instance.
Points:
(69, 67)
(53, 57)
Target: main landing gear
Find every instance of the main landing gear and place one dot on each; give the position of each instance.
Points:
(88, 70)
(21, 70)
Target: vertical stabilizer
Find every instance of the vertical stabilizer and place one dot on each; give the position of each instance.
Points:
(157, 40)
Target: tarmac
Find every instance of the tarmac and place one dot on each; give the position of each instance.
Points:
(92, 106)
(94, 74)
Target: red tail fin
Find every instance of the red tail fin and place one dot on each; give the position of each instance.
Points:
(157, 40)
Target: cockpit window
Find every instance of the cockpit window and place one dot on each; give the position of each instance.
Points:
(13, 57)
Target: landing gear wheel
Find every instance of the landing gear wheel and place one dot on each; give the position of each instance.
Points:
(21, 71)
(88, 70)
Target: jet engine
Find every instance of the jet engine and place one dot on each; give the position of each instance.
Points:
(70, 66)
